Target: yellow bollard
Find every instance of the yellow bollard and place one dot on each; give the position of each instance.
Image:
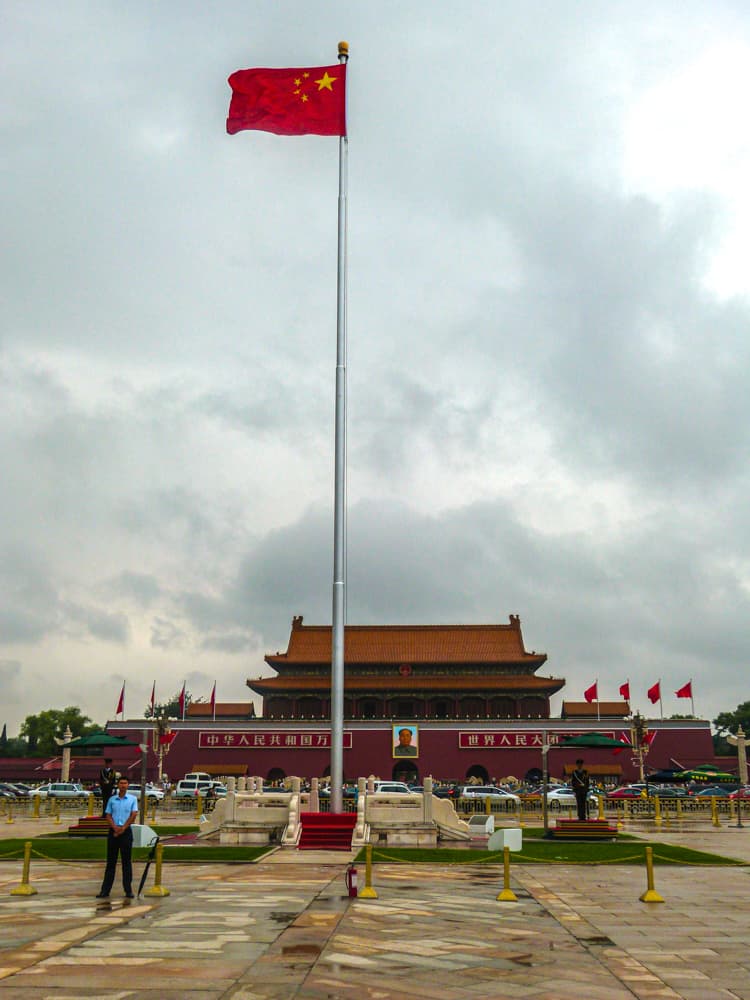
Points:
(153, 810)
(487, 805)
(367, 891)
(198, 806)
(36, 807)
(714, 812)
(679, 808)
(10, 812)
(157, 889)
(506, 895)
(657, 810)
(90, 808)
(601, 807)
(25, 888)
(56, 807)
(650, 895)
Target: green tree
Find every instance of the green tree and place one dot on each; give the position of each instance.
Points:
(170, 709)
(729, 722)
(40, 730)
(16, 747)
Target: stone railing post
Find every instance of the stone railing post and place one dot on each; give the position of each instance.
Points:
(427, 800)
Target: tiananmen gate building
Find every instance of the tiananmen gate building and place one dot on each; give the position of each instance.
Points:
(451, 701)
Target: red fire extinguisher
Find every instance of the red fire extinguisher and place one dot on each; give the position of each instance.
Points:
(351, 880)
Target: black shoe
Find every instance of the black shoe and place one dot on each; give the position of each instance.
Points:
(129, 895)
(102, 895)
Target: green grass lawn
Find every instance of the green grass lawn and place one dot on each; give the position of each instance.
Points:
(57, 848)
(535, 850)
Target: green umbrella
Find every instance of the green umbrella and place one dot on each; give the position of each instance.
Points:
(705, 772)
(592, 741)
(98, 741)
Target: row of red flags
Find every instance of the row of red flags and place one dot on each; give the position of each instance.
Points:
(654, 692)
(120, 710)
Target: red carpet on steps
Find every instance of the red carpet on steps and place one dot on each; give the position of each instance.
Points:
(326, 831)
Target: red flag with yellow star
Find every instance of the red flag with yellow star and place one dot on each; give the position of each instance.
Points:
(289, 101)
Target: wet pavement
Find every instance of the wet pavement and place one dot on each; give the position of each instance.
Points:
(286, 928)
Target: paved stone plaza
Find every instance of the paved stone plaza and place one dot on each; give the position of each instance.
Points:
(285, 928)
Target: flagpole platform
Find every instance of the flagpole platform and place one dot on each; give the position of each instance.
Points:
(587, 829)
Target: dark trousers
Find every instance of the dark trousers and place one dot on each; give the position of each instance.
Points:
(581, 802)
(122, 845)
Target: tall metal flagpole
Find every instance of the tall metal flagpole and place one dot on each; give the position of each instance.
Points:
(339, 504)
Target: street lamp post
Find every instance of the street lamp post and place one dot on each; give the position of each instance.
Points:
(162, 743)
(639, 742)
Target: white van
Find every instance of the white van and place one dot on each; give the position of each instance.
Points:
(198, 776)
(191, 786)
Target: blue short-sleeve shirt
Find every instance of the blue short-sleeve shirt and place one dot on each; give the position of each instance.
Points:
(121, 808)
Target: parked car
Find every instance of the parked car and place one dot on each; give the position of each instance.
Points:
(189, 788)
(627, 792)
(391, 787)
(22, 791)
(347, 791)
(445, 791)
(741, 793)
(152, 794)
(488, 792)
(713, 791)
(12, 790)
(60, 790)
(667, 792)
(564, 798)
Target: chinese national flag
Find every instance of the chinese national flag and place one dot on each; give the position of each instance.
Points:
(121, 703)
(625, 690)
(181, 702)
(686, 691)
(654, 693)
(308, 101)
(213, 700)
(590, 694)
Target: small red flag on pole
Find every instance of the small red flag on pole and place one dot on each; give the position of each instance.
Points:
(213, 702)
(686, 691)
(153, 699)
(181, 701)
(654, 693)
(625, 690)
(591, 694)
(121, 703)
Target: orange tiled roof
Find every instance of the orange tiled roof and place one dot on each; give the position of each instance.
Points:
(588, 710)
(412, 685)
(309, 644)
(224, 709)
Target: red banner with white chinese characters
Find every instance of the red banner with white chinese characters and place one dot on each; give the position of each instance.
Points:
(512, 741)
(228, 739)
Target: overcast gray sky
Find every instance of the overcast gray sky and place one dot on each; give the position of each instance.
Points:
(548, 341)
